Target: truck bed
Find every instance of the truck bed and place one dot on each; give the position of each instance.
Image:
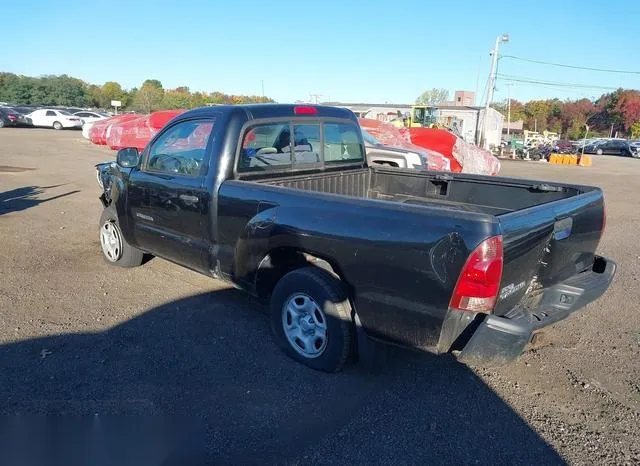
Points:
(493, 196)
(550, 231)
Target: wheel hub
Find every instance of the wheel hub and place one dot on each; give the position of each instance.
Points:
(110, 241)
(304, 325)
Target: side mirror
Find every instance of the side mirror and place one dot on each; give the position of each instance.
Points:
(128, 157)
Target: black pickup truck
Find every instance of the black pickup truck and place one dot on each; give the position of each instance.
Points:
(279, 201)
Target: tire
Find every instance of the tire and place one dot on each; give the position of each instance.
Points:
(57, 125)
(304, 300)
(1, 123)
(599, 152)
(117, 252)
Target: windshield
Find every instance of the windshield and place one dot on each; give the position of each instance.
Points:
(64, 112)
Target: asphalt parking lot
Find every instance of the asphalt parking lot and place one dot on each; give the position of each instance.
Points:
(78, 336)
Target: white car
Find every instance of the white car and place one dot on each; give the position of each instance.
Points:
(56, 119)
(87, 116)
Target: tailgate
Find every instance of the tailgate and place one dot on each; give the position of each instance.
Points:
(547, 244)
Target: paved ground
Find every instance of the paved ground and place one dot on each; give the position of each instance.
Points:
(80, 337)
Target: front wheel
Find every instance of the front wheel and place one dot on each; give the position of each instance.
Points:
(599, 152)
(311, 319)
(115, 249)
(57, 125)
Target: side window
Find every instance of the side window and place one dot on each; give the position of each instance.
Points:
(341, 143)
(51, 113)
(180, 150)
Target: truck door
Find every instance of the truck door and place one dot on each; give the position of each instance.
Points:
(167, 196)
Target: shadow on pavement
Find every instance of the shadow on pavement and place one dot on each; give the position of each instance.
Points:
(209, 360)
(23, 198)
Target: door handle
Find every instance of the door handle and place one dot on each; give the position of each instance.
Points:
(188, 198)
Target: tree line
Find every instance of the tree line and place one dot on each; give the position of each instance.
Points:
(67, 91)
(612, 113)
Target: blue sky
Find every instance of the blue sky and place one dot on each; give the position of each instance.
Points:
(347, 50)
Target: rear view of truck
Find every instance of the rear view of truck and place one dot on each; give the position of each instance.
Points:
(540, 269)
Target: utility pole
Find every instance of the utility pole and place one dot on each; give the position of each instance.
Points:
(492, 84)
(508, 107)
(262, 83)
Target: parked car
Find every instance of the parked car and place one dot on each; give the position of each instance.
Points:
(87, 116)
(378, 153)
(343, 251)
(564, 146)
(56, 119)
(9, 117)
(403, 157)
(612, 147)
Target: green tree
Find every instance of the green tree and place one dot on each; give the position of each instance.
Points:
(197, 99)
(537, 112)
(111, 90)
(433, 96)
(95, 96)
(153, 82)
(635, 129)
(177, 98)
(149, 97)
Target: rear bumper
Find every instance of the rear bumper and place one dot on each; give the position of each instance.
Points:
(499, 340)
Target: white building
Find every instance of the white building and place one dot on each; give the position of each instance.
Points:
(471, 120)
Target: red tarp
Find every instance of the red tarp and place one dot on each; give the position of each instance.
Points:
(465, 157)
(98, 132)
(391, 136)
(137, 132)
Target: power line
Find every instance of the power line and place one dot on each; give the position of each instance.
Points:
(540, 62)
(553, 83)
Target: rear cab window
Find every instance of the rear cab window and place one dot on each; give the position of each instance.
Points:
(270, 146)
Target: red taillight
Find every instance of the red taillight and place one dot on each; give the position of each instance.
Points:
(11, 117)
(305, 110)
(479, 281)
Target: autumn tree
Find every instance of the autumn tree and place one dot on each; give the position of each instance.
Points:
(517, 109)
(628, 108)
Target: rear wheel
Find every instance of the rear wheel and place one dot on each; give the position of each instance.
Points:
(599, 152)
(57, 125)
(1, 123)
(311, 319)
(115, 249)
